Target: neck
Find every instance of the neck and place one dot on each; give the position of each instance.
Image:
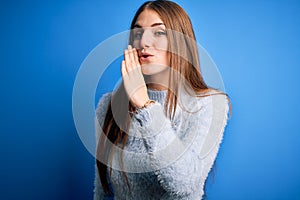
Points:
(158, 81)
(156, 87)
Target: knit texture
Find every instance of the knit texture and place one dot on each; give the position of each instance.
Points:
(163, 158)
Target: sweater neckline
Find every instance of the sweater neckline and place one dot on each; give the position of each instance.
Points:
(157, 95)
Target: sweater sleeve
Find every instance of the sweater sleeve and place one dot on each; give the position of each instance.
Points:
(182, 158)
(99, 194)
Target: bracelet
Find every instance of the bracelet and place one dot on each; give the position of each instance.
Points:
(148, 102)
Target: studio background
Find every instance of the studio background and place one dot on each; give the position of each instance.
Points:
(43, 43)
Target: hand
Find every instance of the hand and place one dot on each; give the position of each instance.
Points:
(133, 79)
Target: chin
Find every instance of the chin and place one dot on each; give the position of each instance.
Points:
(153, 69)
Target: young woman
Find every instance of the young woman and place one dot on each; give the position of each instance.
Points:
(159, 133)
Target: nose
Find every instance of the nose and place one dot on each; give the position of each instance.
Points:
(146, 39)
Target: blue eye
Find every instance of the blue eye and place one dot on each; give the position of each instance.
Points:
(160, 33)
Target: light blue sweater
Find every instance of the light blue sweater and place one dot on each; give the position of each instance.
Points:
(163, 158)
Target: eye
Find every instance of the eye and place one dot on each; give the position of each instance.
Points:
(137, 35)
(160, 33)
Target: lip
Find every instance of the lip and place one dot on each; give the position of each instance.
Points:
(145, 56)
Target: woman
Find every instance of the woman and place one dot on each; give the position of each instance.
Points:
(158, 134)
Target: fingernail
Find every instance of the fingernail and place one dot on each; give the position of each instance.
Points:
(129, 46)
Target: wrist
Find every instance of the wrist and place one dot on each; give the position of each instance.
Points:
(146, 104)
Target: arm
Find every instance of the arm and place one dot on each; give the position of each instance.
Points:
(99, 194)
(182, 159)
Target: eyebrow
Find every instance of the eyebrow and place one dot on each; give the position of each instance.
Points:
(155, 24)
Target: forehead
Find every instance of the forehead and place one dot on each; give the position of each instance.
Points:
(147, 18)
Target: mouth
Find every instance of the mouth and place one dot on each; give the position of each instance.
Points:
(145, 56)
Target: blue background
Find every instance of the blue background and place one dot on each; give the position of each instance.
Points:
(255, 45)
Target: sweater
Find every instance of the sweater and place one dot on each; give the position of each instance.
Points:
(163, 158)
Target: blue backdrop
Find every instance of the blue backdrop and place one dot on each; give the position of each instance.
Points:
(255, 45)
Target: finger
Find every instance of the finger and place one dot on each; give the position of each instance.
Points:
(131, 57)
(136, 57)
(127, 60)
(123, 69)
(136, 61)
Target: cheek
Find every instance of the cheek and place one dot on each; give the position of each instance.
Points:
(162, 47)
(162, 44)
(164, 58)
(136, 44)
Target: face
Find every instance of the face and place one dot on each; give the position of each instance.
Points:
(150, 40)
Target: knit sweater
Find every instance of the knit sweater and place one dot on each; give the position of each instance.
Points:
(163, 158)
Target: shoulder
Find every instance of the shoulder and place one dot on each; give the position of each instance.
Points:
(205, 103)
(101, 111)
(103, 104)
(216, 103)
(215, 97)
